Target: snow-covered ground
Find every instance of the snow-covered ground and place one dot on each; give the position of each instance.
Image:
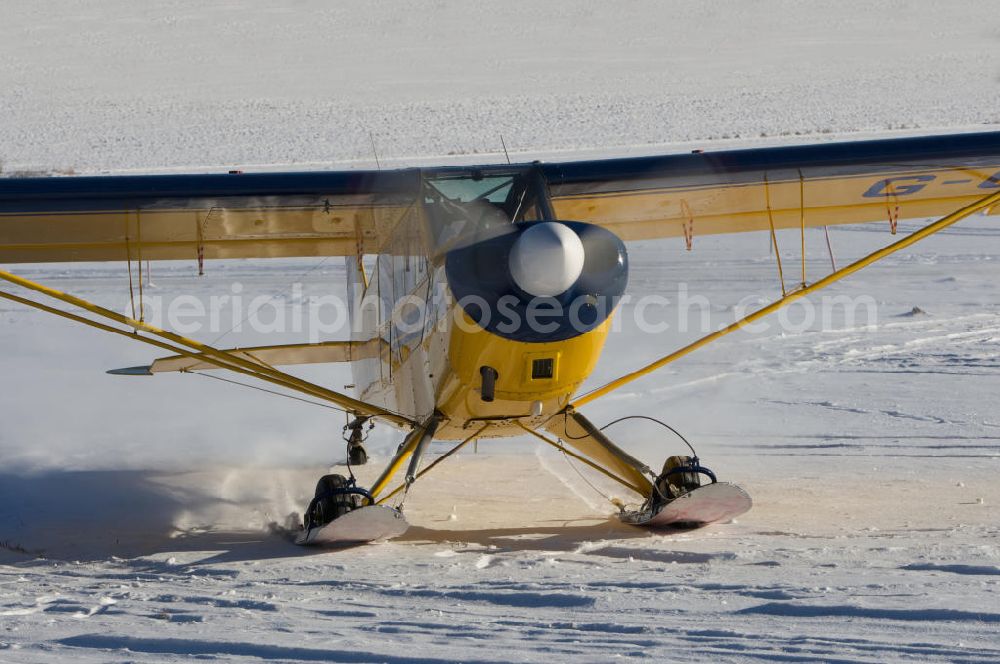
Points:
(140, 518)
(121, 85)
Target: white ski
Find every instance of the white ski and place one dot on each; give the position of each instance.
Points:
(706, 504)
(365, 524)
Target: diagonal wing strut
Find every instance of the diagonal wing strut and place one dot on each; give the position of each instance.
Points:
(875, 256)
(197, 351)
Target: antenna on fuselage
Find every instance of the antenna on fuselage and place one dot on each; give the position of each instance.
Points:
(371, 137)
(504, 149)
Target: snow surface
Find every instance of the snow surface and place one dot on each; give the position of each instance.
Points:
(122, 85)
(141, 519)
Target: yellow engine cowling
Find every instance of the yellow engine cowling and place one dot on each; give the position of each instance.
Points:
(534, 379)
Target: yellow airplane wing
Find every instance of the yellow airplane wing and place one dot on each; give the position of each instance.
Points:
(112, 218)
(346, 213)
(787, 187)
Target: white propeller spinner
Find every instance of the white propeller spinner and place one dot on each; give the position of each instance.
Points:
(546, 259)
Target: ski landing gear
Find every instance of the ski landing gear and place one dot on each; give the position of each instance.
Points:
(342, 513)
(335, 496)
(679, 499)
(680, 475)
(675, 497)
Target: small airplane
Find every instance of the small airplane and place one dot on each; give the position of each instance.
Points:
(482, 295)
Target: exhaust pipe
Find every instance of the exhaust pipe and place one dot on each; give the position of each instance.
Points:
(490, 376)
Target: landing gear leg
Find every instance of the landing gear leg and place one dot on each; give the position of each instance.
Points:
(337, 495)
(355, 435)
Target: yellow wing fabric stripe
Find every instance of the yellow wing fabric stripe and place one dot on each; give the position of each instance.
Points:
(810, 201)
(177, 234)
(207, 216)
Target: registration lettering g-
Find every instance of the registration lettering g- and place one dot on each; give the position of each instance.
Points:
(892, 186)
(992, 182)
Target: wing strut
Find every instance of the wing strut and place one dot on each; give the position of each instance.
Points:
(916, 236)
(394, 466)
(191, 348)
(643, 487)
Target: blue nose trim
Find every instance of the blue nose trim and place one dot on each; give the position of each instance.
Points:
(479, 277)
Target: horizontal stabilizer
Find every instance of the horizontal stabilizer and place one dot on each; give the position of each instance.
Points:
(132, 371)
(318, 353)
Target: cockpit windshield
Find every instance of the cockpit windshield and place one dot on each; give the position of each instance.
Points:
(465, 189)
